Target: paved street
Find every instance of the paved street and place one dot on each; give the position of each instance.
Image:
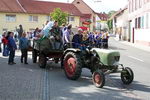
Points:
(29, 82)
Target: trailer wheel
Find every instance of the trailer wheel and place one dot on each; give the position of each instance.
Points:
(127, 75)
(98, 79)
(72, 65)
(34, 56)
(42, 61)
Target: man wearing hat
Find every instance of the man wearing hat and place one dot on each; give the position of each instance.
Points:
(77, 38)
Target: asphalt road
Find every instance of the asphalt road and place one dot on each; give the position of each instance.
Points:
(29, 82)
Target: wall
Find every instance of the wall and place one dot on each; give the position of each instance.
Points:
(23, 19)
(141, 35)
(76, 22)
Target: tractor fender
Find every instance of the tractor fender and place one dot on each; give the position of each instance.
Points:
(71, 50)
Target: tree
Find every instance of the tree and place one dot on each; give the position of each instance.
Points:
(110, 24)
(59, 15)
(110, 13)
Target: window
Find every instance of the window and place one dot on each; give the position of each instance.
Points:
(71, 18)
(33, 18)
(136, 23)
(10, 18)
(135, 4)
(78, 2)
(139, 22)
(5, 29)
(48, 18)
(147, 20)
(142, 22)
(140, 3)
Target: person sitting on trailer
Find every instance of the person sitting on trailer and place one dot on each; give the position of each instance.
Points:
(66, 37)
(55, 37)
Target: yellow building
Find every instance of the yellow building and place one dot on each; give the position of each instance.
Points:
(31, 14)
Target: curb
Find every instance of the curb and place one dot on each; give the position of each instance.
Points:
(145, 48)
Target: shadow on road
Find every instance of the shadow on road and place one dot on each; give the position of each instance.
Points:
(83, 88)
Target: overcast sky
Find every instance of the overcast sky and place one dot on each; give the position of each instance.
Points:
(103, 6)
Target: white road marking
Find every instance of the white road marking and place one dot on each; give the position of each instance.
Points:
(136, 58)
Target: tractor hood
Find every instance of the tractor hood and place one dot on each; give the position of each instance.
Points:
(107, 57)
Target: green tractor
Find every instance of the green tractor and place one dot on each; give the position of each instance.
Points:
(99, 61)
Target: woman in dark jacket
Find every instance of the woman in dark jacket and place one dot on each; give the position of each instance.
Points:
(11, 47)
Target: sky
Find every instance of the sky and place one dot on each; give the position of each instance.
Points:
(103, 6)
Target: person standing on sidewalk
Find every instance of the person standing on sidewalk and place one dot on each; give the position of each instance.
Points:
(24, 45)
(11, 47)
(5, 42)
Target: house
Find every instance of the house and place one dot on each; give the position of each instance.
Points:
(88, 15)
(101, 21)
(139, 21)
(120, 24)
(31, 14)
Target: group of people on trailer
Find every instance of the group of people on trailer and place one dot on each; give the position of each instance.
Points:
(62, 37)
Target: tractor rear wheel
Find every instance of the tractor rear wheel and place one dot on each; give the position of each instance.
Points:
(127, 75)
(98, 78)
(72, 65)
(42, 61)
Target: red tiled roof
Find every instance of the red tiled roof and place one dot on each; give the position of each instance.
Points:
(36, 7)
(103, 16)
(10, 6)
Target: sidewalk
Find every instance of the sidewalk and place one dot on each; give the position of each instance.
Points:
(142, 47)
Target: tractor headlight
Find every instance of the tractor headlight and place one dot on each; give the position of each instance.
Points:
(116, 58)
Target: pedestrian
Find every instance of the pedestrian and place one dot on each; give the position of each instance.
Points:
(0, 43)
(5, 42)
(20, 31)
(91, 39)
(99, 40)
(105, 39)
(24, 45)
(11, 47)
(36, 32)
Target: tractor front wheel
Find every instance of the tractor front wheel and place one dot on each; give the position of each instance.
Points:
(127, 75)
(72, 65)
(98, 78)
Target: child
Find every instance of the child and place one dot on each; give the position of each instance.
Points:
(24, 45)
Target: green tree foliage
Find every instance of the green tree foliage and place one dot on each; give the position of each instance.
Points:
(110, 24)
(59, 15)
(110, 13)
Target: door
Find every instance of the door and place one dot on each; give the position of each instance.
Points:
(133, 35)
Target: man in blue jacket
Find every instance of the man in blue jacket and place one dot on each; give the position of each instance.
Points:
(24, 45)
(11, 47)
(77, 39)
